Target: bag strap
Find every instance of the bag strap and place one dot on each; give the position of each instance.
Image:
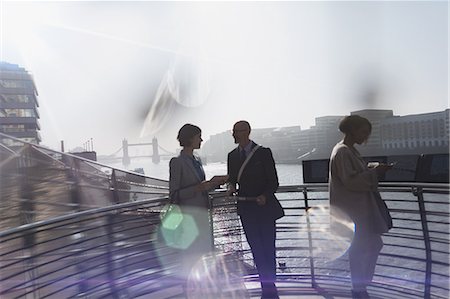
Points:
(174, 198)
(246, 161)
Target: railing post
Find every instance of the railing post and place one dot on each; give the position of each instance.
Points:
(418, 191)
(210, 215)
(75, 198)
(109, 256)
(110, 237)
(27, 204)
(113, 186)
(310, 245)
(27, 215)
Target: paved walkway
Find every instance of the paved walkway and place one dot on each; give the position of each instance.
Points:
(287, 290)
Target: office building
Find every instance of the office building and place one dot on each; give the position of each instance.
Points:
(376, 117)
(416, 131)
(18, 105)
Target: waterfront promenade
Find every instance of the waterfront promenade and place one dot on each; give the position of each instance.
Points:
(72, 229)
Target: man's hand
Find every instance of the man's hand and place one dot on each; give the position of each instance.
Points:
(231, 190)
(218, 180)
(261, 200)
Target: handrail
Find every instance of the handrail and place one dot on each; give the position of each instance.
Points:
(45, 149)
(102, 239)
(118, 209)
(426, 237)
(37, 224)
(390, 188)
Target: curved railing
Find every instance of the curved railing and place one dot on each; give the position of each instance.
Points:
(416, 251)
(82, 254)
(71, 227)
(114, 251)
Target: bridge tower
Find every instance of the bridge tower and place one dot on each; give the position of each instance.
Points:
(126, 157)
(155, 157)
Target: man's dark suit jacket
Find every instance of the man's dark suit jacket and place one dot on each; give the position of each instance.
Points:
(259, 177)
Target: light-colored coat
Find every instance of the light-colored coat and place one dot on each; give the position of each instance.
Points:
(354, 190)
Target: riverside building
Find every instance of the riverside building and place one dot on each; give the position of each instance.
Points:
(18, 105)
(423, 131)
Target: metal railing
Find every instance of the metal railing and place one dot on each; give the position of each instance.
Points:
(84, 254)
(114, 251)
(416, 251)
(71, 227)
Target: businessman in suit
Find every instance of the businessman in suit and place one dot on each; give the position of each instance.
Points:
(252, 175)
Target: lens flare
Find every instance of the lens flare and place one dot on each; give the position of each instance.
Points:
(189, 80)
(332, 232)
(161, 109)
(217, 276)
(178, 229)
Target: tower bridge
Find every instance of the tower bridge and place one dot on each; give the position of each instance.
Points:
(127, 154)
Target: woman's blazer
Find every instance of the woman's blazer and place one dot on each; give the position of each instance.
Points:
(183, 181)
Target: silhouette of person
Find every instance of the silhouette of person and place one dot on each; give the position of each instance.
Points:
(353, 188)
(189, 189)
(253, 168)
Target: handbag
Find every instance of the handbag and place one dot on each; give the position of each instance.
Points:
(384, 211)
(170, 228)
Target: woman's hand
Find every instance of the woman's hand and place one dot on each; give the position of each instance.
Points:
(382, 168)
(213, 183)
(204, 186)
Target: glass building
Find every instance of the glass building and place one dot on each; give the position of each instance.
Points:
(18, 105)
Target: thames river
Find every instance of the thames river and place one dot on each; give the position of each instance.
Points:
(288, 174)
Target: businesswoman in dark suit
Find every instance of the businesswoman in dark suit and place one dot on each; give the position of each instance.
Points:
(257, 180)
(188, 188)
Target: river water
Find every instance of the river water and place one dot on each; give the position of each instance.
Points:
(288, 174)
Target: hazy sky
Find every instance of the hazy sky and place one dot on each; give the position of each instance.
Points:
(114, 70)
